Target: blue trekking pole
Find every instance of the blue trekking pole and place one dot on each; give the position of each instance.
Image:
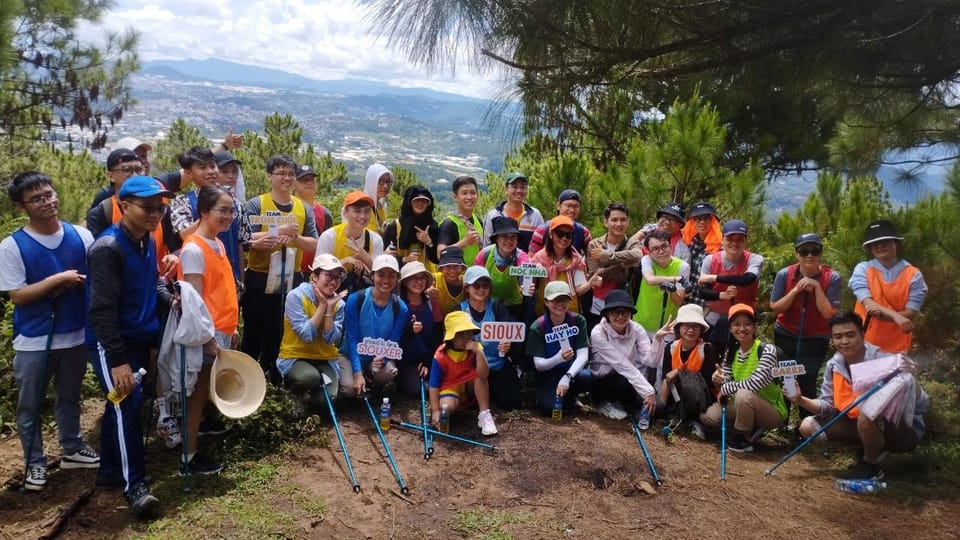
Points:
(646, 453)
(862, 397)
(723, 440)
(386, 447)
(336, 427)
(435, 433)
(427, 442)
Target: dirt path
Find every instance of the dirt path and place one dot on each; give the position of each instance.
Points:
(584, 478)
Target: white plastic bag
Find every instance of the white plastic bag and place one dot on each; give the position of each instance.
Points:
(280, 267)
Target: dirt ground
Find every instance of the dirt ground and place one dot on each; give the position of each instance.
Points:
(583, 478)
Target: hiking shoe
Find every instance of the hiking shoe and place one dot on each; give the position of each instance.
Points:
(861, 470)
(696, 429)
(84, 458)
(36, 478)
(200, 466)
(740, 444)
(485, 423)
(612, 410)
(212, 425)
(168, 428)
(142, 503)
(756, 434)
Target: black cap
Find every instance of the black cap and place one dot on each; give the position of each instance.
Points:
(807, 238)
(618, 298)
(702, 209)
(451, 255)
(569, 194)
(120, 155)
(504, 225)
(223, 157)
(673, 210)
(305, 170)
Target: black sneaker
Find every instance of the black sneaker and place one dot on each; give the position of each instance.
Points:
(212, 425)
(36, 478)
(861, 470)
(200, 466)
(740, 444)
(142, 503)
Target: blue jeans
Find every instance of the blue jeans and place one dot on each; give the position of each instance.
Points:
(121, 435)
(68, 365)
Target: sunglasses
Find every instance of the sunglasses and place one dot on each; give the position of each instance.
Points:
(809, 252)
(563, 234)
(481, 284)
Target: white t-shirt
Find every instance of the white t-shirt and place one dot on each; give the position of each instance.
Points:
(191, 257)
(13, 276)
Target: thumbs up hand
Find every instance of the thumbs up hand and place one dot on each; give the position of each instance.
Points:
(417, 326)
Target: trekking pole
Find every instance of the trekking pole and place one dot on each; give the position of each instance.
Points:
(386, 446)
(723, 440)
(663, 316)
(427, 442)
(184, 417)
(435, 433)
(646, 453)
(336, 426)
(836, 417)
(796, 351)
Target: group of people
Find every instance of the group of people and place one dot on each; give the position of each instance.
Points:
(660, 323)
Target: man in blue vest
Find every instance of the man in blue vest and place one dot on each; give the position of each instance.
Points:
(122, 292)
(43, 269)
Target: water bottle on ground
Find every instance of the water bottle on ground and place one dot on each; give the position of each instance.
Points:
(385, 415)
(444, 419)
(860, 486)
(116, 397)
(558, 408)
(644, 421)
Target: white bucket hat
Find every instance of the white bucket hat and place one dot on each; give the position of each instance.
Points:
(237, 384)
(691, 314)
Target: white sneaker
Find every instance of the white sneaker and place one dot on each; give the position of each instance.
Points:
(696, 428)
(35, 479)
(84, 458)
(612, 410)
(168, 428)
(485, 423)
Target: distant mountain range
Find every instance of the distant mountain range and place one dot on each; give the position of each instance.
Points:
(216, 70)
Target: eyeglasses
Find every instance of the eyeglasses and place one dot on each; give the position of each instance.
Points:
(284, 174)
(160, 209)
(42, 199)
(331, 276)
(129, 169)
(563, 234)
(809, 252)
(657, 249)
(226, 210)
(619, 313)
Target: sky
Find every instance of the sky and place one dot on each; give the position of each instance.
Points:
(319, 39)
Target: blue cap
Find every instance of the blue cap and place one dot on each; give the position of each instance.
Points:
(734, 226)
(143, 186)
(807, 238)
(474, 273)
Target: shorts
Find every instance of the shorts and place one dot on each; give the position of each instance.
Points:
(457, 392)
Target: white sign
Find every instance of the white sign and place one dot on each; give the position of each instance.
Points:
(788, 368)
(528, 269)
(503, 331)
(273, 219)
(380, 347)
(562, 333)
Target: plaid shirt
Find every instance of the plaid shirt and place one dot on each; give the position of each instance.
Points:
(698, 252)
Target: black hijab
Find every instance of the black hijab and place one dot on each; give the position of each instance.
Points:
(408, 219)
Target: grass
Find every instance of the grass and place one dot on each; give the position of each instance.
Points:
(251, 500)
(486, 525)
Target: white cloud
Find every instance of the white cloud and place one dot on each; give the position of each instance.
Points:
(321, 39)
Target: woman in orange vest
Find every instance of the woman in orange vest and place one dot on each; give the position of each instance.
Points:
(889, 290)
(688, 367)
(205, 266)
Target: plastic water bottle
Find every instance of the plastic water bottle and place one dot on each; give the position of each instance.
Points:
(385, 415)
(391, 247)
(557, 408)
(860, 486)
(116, 397)
(644, 421)
(444, 419)
(789, 386)
(668, 434)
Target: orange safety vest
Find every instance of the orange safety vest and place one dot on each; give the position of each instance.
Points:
(844, 395)
(219, 287)
(116, 215)
(694, 361)
(892, 295)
